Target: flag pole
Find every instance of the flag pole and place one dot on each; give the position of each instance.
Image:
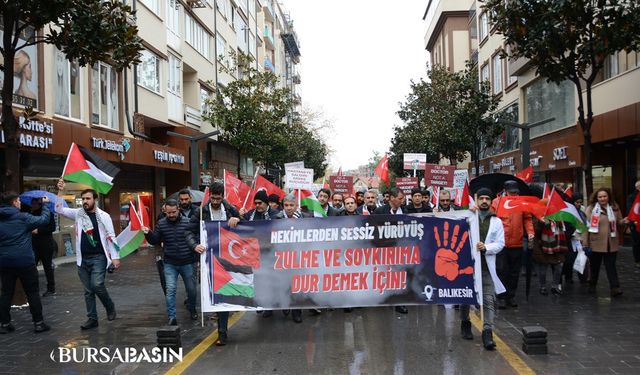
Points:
(253, 186)
(475, 198)
(67, 161)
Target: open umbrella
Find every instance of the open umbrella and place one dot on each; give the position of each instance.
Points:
(196, 195)
(495, 182)
(27, 196)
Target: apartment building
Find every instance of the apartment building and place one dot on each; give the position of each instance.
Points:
(556, 147)
(127, 117)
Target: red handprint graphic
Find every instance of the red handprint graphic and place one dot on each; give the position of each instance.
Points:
(446, 262)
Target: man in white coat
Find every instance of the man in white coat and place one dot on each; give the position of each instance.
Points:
(491, 243)
(95, 249)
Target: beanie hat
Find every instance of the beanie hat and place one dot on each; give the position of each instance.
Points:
(261, 195)
(485, 191)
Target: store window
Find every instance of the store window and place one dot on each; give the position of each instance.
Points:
(602, 176)
(67, 86)
(544, 100)
(104, 93)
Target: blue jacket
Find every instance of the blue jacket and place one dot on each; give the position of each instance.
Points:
(16, 249)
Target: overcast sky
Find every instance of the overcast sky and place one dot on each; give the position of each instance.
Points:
(358, 58)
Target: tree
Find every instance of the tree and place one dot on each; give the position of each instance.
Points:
(447, 116)
(84, 30)
(569, 40)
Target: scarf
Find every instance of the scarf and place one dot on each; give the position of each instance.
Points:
(87, 227)
(223, 213)
(553, 238)
(595, 220)
(253, 215)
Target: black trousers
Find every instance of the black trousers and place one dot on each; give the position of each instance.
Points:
(44, 253)
(609, 264)
(508, 264)
(635, 242)
(29, 278)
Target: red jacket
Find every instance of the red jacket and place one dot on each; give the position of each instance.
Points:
(515, 225)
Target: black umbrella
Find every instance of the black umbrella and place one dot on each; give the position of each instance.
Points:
(196, 195)
(495, 182)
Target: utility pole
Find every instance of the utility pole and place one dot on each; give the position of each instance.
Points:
(193, 152)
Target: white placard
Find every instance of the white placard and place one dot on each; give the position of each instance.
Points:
(414, 161)
(293, 165)
(459, 177)
(299, 178)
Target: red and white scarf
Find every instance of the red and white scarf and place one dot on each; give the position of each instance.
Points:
(594, 222)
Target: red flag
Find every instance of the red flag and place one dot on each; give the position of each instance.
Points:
(546, 191)
(634, 212)
(324, 183)
(462, 200)
(134, 219)
(235, 190)
(519, 203)
(205, 199)
(526, 174)
(569, 191)
(144, 214)
(266, 185)
(239, 251)
(556, 203)
(435, 196)
(382, 169)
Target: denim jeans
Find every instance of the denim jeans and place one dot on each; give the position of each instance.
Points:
(92, 272)
(488, 302)
(171, 273)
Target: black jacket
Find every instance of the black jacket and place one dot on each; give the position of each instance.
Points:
(386, 210)
(177, 246)
(411, 209)
(192, 211)
(267, 215)
(44, 239)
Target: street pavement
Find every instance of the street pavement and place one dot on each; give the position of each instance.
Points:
(588, 334)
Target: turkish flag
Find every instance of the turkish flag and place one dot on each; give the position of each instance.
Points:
(634, 212)
(144, 214)
(569, 191)
(235, 191)
(382, 169)
(519, 203)
(266, 185)
(526, 174)
(134, 219)
(239, 251)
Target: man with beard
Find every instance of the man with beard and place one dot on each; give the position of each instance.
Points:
(360, 197)
(417, 204)
(370, 203)
(216, 210)
(337, 201)
(444, 202)
(96, 251)
(179, 257)
(187, 208)
(491, 243)
(262, 210)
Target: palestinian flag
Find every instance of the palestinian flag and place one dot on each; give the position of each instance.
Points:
(231, 281)
(559, 210)
(132, 236)
(309, 200)
(85, 167)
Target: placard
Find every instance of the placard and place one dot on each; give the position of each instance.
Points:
(439, 175)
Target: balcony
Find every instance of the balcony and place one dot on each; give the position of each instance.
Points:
(291, 45)
(474, 57)
(192, 116)
(268, 65)
(269, 14)
(296, 79)
(268, 38)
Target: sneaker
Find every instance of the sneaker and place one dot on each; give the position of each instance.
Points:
(222, 339)
(557, 290)
(194, 315)
(6, 328)
(402, 309)
(89, 324)
(314, 312)
(297, 316)
(49, 293)
(40, 327)
(267, 314)
(111, 315)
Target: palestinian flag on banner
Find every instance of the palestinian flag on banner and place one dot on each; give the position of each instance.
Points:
(559, 210)
(132, 236)
(85, 167)
(231, 280)
(309, 200)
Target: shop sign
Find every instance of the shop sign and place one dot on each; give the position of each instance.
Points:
(572, 163)
(535, 162)
(560, 153)
(42, 139)
(120, 147)
(168, 157)
(552, 166)
(505, 162)
(205, 178)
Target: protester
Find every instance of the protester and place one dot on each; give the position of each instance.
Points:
(635, 236)
(360, 197)
(509, 261)
(426, 198)
(602, 238)
(491, 243)
(323, 198)
(337, 201)
(187, 208)
(44, 246)
(351, 207)
(394, 207)
(17, 260)
(445, 203)
(96, 251)
(274, 202)
(370, 203)
(385, 198)
(417, 204)
(549, 249)
(574, 235)
(217, 209)
(262, 210)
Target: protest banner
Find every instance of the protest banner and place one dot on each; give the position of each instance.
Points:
(414, 161)
(341, 184)
(343, 262)
(299, 178)
(405, 184)
(439, 175)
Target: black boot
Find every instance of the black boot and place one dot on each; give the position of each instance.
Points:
(487, 339)
(465, 330)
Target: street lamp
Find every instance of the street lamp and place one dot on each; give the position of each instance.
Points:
(525, 127)
(193, 152)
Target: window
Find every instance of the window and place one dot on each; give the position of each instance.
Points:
(611, 66)
(221, 46)
(104, 96)
(197, 36)
(149, 71)
(253, 48)
(175, 76)
(243, 33)
(225, 9)
(67, 85)
(483, 26)
(497, 74)
(252, 8)
(484, 73)
(204, 96)
(153, 5)
(544, 100)
(173, 16)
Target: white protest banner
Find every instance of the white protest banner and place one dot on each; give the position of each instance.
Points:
(299, 178)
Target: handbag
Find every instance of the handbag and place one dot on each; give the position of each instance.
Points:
(581, 258)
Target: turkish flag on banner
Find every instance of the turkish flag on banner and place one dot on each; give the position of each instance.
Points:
(519, 203)
(382, 169)
(266, 185)
(235, 191)
(634, 212)
(526, 174)
(239, 251)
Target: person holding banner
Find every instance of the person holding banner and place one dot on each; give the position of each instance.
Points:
(351, 207)
(370, 203)
(323, 198)
(217, 209)
(274, 202)
(262, 210)
(491, 243)
(417, 204)
(337, 201)
(444, 202)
